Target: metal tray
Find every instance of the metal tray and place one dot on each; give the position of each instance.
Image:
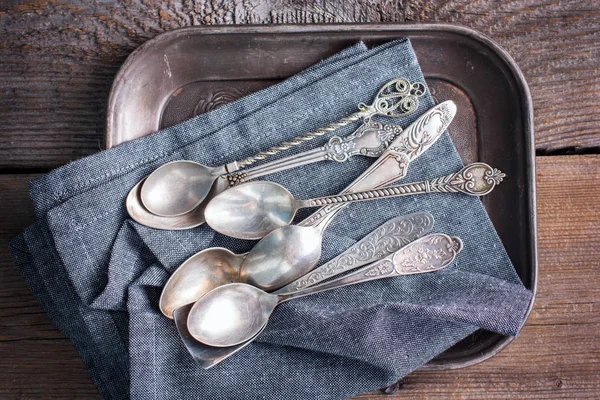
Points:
(182, 73)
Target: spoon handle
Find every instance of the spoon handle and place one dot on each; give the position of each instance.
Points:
(427, 254)
(370, 140)
(476, 179)
(396, 98)
(383, 241)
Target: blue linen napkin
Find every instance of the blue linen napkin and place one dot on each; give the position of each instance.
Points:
(98, 274)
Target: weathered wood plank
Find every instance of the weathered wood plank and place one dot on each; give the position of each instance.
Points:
(59, 59)
(556, 356)
(37, 360)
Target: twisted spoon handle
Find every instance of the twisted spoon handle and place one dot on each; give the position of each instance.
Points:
(396, 98)
(304, 138)
(475, 179)
(371, 139)
(427, 254)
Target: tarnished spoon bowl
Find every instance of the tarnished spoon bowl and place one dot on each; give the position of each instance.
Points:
(206, 356)
(230, 315)
(197, 276)
(282, 256)
(177, 187)
(250, 211)
(140, 214)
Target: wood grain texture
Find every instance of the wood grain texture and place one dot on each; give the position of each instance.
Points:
(59, 59)
(36, 360)
(557, 355)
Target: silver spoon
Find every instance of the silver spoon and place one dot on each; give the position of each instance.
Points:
(139, 213)
(391, 165)
(178, 187)
(217, 266)
(233, 314)
(254, 209)
(205, 356)
(293, 250)
(198, 275)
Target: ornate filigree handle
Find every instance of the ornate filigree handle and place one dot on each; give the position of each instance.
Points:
(396, 98)
(393, 162)
(370, 140)
(427, 254)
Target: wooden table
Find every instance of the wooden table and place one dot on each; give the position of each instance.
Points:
(57, 62)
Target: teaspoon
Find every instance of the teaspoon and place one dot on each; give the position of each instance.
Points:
(178, 187)
(233, 314)
(198, 275)
(205, 356)
(254, 209)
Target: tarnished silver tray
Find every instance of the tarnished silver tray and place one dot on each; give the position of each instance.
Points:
(182, 73)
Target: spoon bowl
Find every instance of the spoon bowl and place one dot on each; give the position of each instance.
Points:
(282, 256)
(230, 314)
(177, 187)
(197, 276)
(206, 356)
(251, 210)
(140, 214)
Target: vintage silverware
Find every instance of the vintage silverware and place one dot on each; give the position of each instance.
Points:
(233, 314)
(293, 250)
(251, 210)
(370, 140)
(178, 187)
(198, 275)
(217, 266)
(411, 142)
(414, 140)
(383, 241)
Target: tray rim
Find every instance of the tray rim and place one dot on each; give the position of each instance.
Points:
(523, 89)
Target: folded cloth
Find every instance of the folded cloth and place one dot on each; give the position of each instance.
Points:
(98, 274)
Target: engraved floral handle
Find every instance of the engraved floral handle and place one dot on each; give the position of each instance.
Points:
(383, 241)
(396, 98)
(427, 254)
(476, 179)
(369, 140)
